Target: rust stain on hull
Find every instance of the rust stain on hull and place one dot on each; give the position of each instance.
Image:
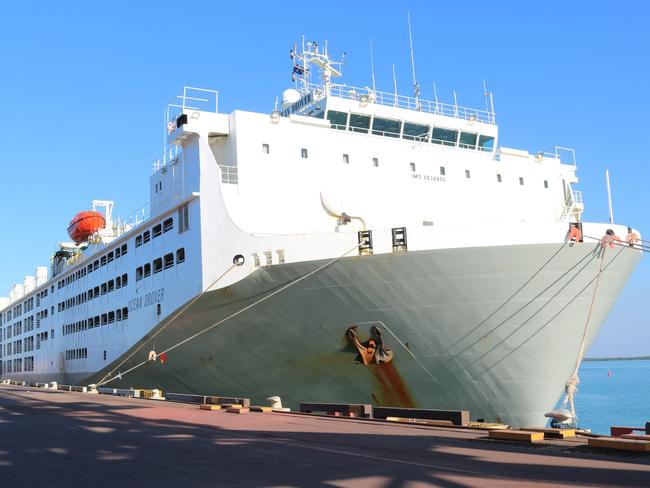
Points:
(392, 389)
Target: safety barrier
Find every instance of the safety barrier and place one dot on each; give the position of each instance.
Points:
(338, 409)
(207, 399)
(457, 417)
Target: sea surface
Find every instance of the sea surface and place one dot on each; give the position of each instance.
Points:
(622, 398)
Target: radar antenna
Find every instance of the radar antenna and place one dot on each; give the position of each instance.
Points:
(311, 54)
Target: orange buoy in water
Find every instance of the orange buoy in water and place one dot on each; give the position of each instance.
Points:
(85, 224)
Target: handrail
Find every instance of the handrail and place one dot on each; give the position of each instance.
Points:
(368, 96)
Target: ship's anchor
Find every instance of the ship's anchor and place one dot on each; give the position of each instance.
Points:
(371, 351)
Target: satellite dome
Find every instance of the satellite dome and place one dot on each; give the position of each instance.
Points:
(289, 97)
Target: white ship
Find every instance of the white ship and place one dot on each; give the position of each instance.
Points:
(273, 242)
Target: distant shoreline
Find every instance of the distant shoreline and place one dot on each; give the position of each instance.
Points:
(618, 358)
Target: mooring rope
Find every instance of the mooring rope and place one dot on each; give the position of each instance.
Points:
(235, 314)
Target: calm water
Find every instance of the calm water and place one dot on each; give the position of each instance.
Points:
(620, 399)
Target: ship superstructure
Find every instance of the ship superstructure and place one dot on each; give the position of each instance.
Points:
(352, 245)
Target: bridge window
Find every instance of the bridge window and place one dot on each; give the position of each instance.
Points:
(375, 162)
(146, 237)
(468, 140)
(443, 171)
(498, 178)
(157, 230)
(415, 132)
(386, 127)
(545, 183)
(412, 167)
(304, 153)
(359, 123)
(138, 241)
(446, 137)
(338, 120)
(467, 174)
(346, 158)
(486, 143)
(521, 180)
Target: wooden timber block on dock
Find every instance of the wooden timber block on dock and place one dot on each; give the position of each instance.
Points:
(209, 407)
(261, 409)
(553, 433)
(338, 409)
(457, 417)
(619, 444)
(638, 437)
(402, 420)
(516, 435)
(238, 409)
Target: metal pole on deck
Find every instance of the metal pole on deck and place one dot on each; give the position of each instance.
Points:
(609, 198)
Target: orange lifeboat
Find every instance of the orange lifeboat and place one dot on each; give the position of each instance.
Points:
(85, 224)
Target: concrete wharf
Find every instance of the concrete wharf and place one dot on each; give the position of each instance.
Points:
(55, 438)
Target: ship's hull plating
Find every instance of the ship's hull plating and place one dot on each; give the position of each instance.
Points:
(493, 330)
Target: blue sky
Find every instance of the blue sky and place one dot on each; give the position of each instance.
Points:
(84, 86)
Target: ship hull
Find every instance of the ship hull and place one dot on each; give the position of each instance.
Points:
(492, 330)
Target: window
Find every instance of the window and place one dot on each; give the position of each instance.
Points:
(125, 249)
(96, 265)
(169, 260)
(157, 230)
(303, 153)
(498, 178)
(138, 241)
(375, 162)
(443, 171)
(118, 253)
(467, 174)
(103, 261)
(359, 123)
(96, 291)
(168, 225)
(110, 256)
(415, 132)
(265, 148)
(147, 269)
(446, 137)
(486, 143)
(157, 265)
(111, 285)
(138, 273)
(180, 255)
(125, 280)
(104, 319)
(146, 237)
(545, 183)
(183, 218)
(346, 159)
(96, 320)
(125, 313)
(118, 283)
(468, 140)
(386, 127)
(338, 120)
(521, 180)
(111, 317)
(118, 315)
(412, 167)
(104, 288)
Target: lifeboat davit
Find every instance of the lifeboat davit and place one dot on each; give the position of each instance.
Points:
(85, 224)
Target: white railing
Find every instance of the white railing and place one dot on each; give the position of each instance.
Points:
(171, 155)
(367, 96)
(193, 98)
